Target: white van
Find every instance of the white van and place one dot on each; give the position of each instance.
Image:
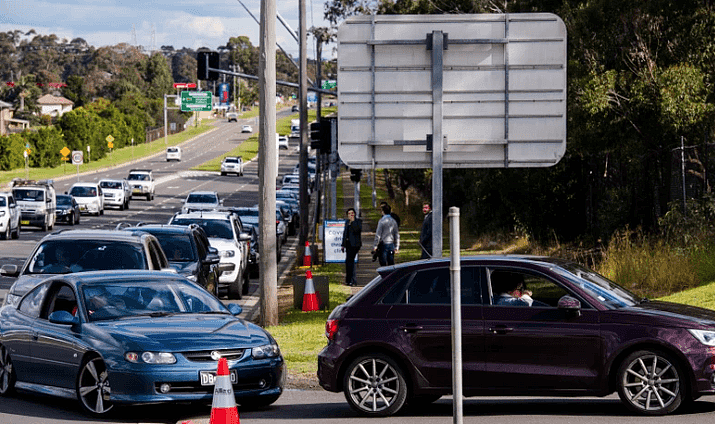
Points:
(37, 202)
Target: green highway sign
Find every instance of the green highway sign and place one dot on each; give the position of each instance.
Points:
(195, 101)
(328, 84)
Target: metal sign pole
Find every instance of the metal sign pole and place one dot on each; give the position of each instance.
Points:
(455, 269)
(437, 142)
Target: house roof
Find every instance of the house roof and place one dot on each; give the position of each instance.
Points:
(49, 99)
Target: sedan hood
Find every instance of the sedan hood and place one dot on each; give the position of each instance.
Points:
(27, 282)
(185, 332)
(677, 311)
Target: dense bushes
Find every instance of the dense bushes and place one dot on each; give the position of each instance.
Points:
(77, 129)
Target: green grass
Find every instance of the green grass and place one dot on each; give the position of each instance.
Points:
(117, 157)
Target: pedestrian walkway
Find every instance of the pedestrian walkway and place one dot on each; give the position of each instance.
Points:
(366, 269)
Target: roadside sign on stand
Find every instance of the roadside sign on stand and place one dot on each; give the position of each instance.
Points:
(77, 157)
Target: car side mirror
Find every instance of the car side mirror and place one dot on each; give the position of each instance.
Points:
(234, 308)
(10, 270)
(212, 258)
(570, 305)
(63, 317)
(244, 237)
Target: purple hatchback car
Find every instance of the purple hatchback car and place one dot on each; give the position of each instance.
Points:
(579, 335)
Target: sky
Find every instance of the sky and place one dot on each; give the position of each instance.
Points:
(155, 23)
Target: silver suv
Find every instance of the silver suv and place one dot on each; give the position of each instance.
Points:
(142, 182)
(232, 165)
(69, 251)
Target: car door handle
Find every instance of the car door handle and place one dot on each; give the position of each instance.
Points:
(500, 329)
(409, 328)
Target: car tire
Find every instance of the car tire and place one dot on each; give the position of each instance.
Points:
(44, 225)
(6, 234)
(375, 385)
(93, 388)
(651, 382)
(246, 282)
(101, 211)
(121, 207)
(72, 219)
(79, 215)
(16, 234)
(7, 372)
(235, 289)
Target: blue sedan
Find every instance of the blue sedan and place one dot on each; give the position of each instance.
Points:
(122, 337)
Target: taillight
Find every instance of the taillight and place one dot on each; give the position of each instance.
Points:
(331, 327)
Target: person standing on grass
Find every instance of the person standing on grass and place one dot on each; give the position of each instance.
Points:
(387, 237)
(394, 216)
(426, 234)
(352, 241)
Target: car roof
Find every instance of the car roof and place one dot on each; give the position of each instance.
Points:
(84, 184)
(140, 171)
(93, 277)
(481, 259)
(94, 234)
(205, 215)
(203, 192)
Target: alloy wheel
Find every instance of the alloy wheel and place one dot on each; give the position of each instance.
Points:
(650, 383)
(93, 387)
(375, 386)
(7, 373)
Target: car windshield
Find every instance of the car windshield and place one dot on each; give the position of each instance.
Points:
(138, 177)
(230, 160)
(68, 256)
(3, 202)
(125, 300)
(173, 150)
(110, 184)
(64, 201)
(178, 247)
(201, 198)
(82, 191)
(599, 287)
(216, 228)
(29, 194)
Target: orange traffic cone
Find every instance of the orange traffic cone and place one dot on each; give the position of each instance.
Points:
(223, 408)
(310, 297)
(306, 255)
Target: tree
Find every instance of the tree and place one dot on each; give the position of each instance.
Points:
(158, 77)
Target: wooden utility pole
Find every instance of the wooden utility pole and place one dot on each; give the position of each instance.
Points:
(268, 165)
(303, 157)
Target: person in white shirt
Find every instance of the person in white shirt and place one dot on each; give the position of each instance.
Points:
(387, 237)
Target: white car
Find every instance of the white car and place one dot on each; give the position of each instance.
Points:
(9, 216)
(201, 201)
(142, 182)
(225, 233)
(89, 196)
(173, 153)
(116, 193)
(232, 165)
(246, 129)
(283, 142)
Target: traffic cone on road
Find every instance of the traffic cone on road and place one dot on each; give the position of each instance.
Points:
(310, 297)
(223, 408)
(306, 255)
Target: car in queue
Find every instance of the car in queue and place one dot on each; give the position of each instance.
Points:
(117, 193)
(246, 129)
(142, 182)
(9, 216)
(582, 335)
(187, 249)
(201, 201)
(225, 233)
(68, 251)
(232, 165)
(250, 216)
(89, 196)
(173, 153)
(114, 338)
(67, 210)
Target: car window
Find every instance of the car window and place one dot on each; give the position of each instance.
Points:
(29, 194)
(68, 256)
(31, 304)
(3, 202)
(83, 191)
(544, 292)
(433, 286)
(201, 198)
(60, 297)
(158, 262)
(177, 247)
(213, 227)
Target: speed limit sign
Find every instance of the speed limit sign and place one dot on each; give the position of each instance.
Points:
(77, 157)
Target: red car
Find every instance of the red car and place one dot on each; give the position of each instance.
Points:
(578, 335)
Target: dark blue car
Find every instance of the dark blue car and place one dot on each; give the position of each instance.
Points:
(114, 337)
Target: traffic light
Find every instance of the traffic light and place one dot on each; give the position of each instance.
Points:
(315, 135)
(202, 72)
(355, 175)
(326, 133)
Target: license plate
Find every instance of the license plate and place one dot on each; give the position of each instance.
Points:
(208, 378)
(137, 190)
(24, 222)
(82, 207)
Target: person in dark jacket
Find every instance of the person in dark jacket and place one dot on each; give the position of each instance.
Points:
(426, 234)
(352, 241)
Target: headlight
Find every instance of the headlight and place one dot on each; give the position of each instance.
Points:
(2, 213)
(160, 358)
(227, 253)
(704, 336)
(265, 351)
